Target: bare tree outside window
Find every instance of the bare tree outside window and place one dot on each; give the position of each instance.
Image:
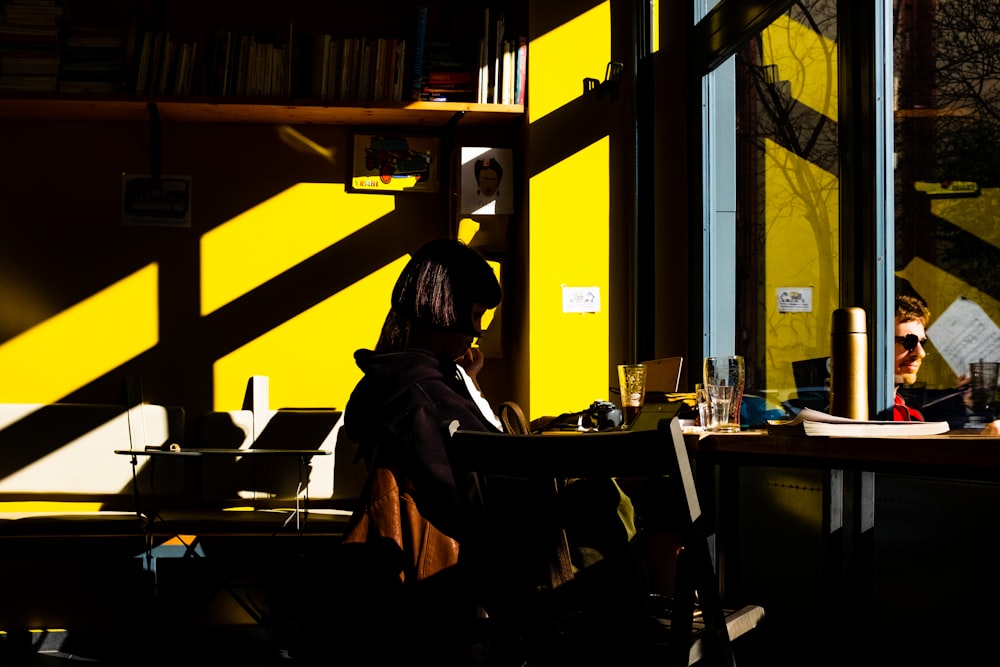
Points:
(787, 191)
(947, 190)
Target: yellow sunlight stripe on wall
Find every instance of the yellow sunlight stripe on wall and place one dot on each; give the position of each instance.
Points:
(309, 360)
(82, 343)
(801, 210)
(569, 351)
(558, 65)
(42, 506)
(805, 59)
(277, 234)
(976, 215)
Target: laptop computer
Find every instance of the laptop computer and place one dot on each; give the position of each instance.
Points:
(651, 414)
(811, 375)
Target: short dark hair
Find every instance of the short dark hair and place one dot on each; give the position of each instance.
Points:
(910, 308)
(439, 285)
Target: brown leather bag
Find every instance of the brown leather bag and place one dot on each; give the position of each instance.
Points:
(390, 513)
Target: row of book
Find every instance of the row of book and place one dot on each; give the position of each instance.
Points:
(42, 51)
(244, 64)
(164, 65)
(503, 63)
(358, 68)
(29, 45)
(490, 69)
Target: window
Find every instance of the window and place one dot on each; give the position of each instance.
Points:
(773, 232)
(947, 185)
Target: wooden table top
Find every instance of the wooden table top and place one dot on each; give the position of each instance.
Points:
(209, 451)
(955, 454)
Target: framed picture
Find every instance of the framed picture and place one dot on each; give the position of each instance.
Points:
(487, 175)
(392, 163)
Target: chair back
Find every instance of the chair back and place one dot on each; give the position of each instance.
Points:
(513, 419)
(660, 453)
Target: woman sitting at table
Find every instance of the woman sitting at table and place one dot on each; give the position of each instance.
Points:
(412, 385)
(420, 376)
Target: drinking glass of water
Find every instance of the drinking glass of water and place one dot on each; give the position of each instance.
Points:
(724, 376)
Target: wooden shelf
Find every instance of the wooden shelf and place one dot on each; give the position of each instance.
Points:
(222, 110)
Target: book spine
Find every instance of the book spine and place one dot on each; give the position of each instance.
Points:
(496, 62)
(522, 69)
(507, 80)
(400, 72)
(484, 59)
(449, 77)
(334, 66)
(419, 51)
(133, 47)
(321, 60)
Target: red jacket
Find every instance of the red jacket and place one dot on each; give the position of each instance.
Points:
(901, 412)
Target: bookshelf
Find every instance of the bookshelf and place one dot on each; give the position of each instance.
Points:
(191, 110)
(214, 83)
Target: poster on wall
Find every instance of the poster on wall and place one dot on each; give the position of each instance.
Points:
(394, 163)
(487, 174)
(164, 201)
(964, 333)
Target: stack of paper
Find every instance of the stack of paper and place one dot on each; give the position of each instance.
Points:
(814, 422)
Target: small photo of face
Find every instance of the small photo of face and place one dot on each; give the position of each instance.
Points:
(488, 175)
(487, 183)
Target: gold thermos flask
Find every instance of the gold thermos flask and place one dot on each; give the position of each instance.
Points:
(849, 363)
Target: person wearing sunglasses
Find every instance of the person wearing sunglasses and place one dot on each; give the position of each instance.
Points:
(911, 318)
(910, 340)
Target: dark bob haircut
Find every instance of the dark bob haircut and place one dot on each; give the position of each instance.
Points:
(440, 284)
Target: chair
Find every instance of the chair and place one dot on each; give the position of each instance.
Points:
(513, 419)
(663, 375)
(695, 627)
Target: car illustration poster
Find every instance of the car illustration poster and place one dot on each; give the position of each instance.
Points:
(487, 175)
(392, 163)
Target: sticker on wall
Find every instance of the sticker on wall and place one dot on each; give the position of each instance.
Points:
(163, 201)
(487, 175)
(795, 299)
(581, 299)
(393, 163)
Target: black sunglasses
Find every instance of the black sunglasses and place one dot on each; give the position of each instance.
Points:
(910, 342)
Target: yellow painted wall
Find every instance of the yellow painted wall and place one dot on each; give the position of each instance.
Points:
(569, 225)
(198, 314)
(81, 343)
(800, 219)
(310, 357)
(801, 208)
(569, 351)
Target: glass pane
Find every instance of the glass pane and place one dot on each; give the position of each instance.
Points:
(787, 200)
(947, 189)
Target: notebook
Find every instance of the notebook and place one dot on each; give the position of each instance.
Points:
(651, 414)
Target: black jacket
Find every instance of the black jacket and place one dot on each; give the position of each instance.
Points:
(397, 414)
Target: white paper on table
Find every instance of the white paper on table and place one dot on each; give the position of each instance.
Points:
(965, 333)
